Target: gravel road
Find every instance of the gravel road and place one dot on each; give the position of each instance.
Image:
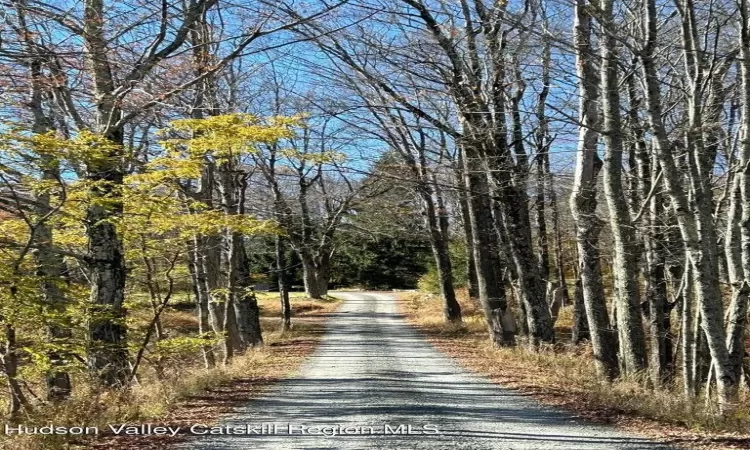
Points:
(373, 377)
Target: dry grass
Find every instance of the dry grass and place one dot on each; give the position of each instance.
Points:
(564, 376)
(189, 393)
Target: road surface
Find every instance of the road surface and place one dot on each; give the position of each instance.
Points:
(373, 377)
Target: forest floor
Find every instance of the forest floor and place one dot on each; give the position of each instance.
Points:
(564, 376)
(191, 394)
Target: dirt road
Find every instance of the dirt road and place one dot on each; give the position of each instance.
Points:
(375, 383)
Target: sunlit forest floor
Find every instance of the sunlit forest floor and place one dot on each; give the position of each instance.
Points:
(564, 375)
(186, 392)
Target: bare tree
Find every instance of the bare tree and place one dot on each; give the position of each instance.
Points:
(583, 199)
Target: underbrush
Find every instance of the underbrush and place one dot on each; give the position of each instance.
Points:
(154, 396)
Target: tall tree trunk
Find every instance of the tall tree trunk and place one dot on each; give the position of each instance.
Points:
(452, 309)
(541, 138)
(517, 227)
(486, 252)
(208, 278)
(233, 343)
(202, 297)
(9, 360)
(437, 224)
(471, 266)
(580, 330)
(50, 266)
(204, 252)
(281, 270)
(209, 261)
(629, 324)
(241, 302)
(583, 201)
(562, 283)
(323, 262)
(656, 295)
(541, 220)
(702, 363)
(314, 276)
(107, 353)
(209, 264)
(51, 269)
(246, 310)
(688, 336)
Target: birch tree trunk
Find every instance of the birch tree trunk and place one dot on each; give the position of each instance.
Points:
(217, 306)
(198, 248)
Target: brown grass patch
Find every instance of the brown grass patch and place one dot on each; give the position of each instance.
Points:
(184, 321)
